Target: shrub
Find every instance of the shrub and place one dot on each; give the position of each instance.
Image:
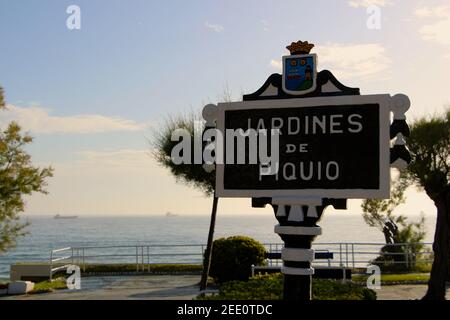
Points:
(233, 257)
(407, 257)
(270, 287)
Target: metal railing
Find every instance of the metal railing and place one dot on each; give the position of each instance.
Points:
(345, 254)
(360, 254)
(58, 263)
(143, 256)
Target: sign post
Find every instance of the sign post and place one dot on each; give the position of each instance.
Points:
(301, 143)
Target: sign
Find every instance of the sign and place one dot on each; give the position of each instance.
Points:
(302, 142)
(331, 147)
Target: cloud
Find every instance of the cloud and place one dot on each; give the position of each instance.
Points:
(438, 30)
(130, 159)
(214, 27)
(432, 12)
(368, 3)
(39, 120)
(276, 64)
(349, 61)
(354, 60)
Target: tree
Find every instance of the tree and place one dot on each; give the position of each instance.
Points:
(18, 178)
(2, 100)
(379, 213)
(191, 174)
(429, 146)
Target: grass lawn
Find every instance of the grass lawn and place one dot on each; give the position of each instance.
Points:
(48, 286)
(131, 268)
(44, 286)
(396, 278)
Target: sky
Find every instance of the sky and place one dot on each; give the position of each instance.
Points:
(91, 97)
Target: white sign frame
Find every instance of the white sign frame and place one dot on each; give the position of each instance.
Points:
(385, 101)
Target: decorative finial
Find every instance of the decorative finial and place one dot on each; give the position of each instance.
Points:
(300, 47)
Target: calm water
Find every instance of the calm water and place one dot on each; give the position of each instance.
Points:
(47, 233)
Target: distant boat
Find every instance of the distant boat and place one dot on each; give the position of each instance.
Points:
(58, 216)
(170, 215)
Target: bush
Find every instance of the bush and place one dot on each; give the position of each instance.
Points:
(270, 287)
(233, 257)
(404, 258)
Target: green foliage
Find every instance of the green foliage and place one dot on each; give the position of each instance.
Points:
(190, 174)
(49, 286)
(423, 266)
(270, 287)
(2, 98)
(404, 257)
(323, 289)
(411, 233)
(233, 257)
(429, 145)
(17, 178)
(430, 169)
(395, 278)
(261, 287)
(377, 211)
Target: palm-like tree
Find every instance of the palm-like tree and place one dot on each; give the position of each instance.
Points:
(190, 174)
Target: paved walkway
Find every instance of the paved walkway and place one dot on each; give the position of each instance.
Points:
(165, 287)
(404, 292)
(127, 288)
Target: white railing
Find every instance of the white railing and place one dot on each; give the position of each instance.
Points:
(360, 254)
(143, 256)
(345, 254)
(58, 263)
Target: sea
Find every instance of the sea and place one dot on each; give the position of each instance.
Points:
(160, 232)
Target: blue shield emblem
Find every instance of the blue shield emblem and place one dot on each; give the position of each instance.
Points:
(299, 73)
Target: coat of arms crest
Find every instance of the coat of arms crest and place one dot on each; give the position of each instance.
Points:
(300, 69)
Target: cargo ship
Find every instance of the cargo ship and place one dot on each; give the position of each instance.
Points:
(58, 216)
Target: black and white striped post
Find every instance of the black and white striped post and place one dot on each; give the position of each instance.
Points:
(297, 226)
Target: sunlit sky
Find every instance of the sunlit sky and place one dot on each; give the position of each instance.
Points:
(91, 97)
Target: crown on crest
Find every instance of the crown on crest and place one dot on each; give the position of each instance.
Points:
(300, 47)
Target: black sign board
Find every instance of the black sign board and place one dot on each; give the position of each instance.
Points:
(328, 146)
